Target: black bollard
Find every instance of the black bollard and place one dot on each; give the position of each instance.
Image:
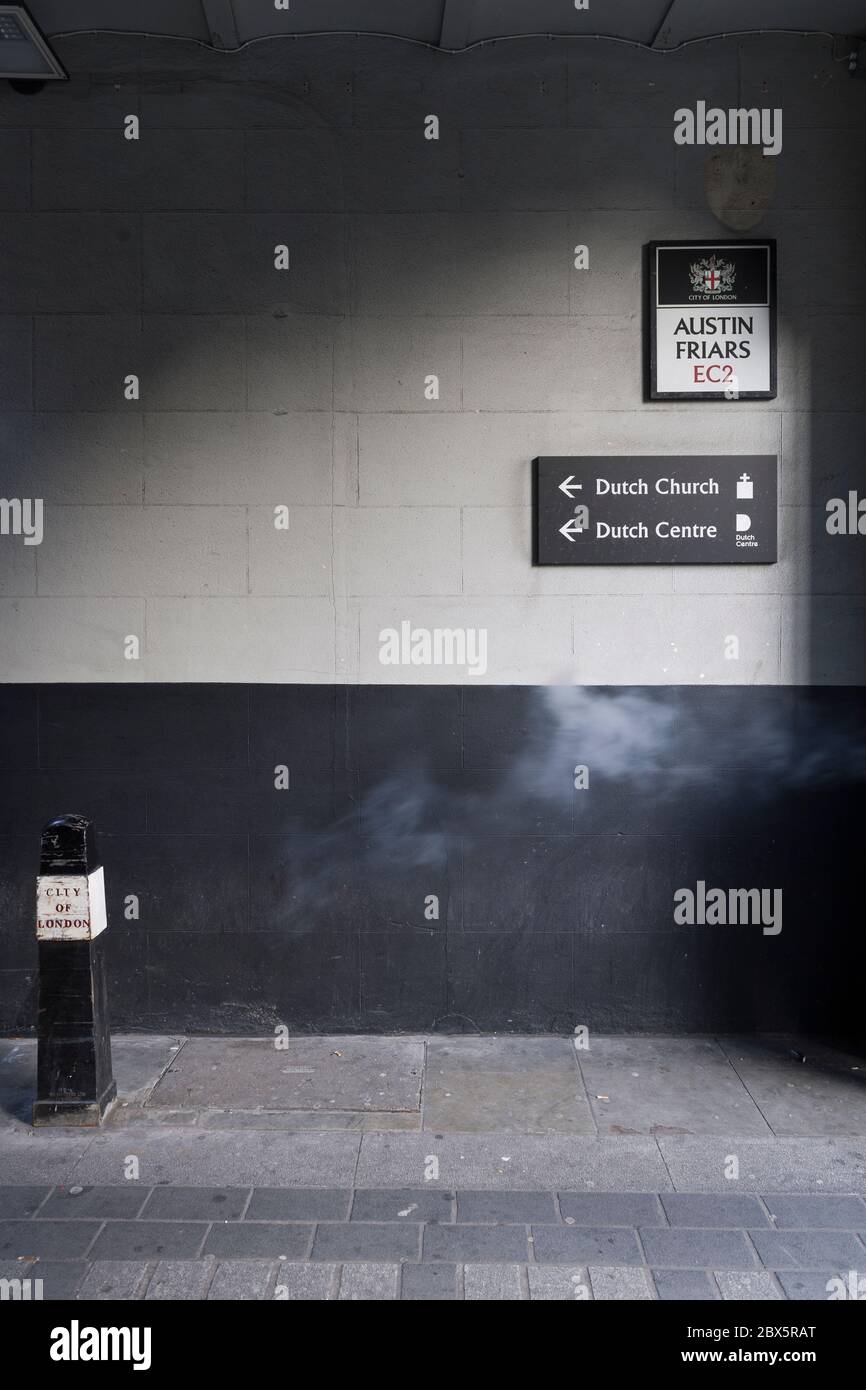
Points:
(75, 1082)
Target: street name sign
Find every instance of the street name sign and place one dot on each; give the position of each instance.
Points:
(712, 320)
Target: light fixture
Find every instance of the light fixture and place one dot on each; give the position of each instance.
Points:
(24, 54)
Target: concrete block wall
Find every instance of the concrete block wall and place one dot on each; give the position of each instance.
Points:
(259, 648)
(235, 906)
(305, 388)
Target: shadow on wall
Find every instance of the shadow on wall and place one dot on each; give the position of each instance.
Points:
(479, 858)
(313, 907)
(251, 394)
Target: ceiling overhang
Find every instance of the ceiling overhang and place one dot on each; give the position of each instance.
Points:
(452, 25)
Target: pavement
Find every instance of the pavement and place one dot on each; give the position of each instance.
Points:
(478, 1168)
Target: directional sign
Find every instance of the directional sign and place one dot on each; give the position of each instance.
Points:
(569, 486)
(712, 320)
(714, 509)
(573, 528)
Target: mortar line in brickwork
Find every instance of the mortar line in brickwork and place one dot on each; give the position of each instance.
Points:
(140, 253)
(249, 726)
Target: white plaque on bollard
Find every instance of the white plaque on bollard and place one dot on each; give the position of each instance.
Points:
(70, 907)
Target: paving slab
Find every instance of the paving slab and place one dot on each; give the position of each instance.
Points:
(367, 1240)
(301, 1204)
(752, 1286)
(403, 1204)
(620, 1284)
(715, 1210)
(685, 1285)
(766, 1165)
(138, 1061)
(123, 1202)
(369, 1282)
(311, 1073)
(698, 1249)
(259, 1240)
(814, 1286)
(498, 1161)
(114, 1279)
(816, 1211)
(241, 1281)
(662, 1086)
(147, 1240)
(199, 1158)
(511, 1085)
(493, 1283)
(60, 1278)
(48, 1156)
(610, 1209)
(803, 1088)
(506, 1208)
(46, 1240)
(175, 1280)
(574, 1244)
(476, 1244)
(559, 1283)
(429, 1282)
(810, 1249)
(21, 1201)
(306, 1283)
(196, 1204)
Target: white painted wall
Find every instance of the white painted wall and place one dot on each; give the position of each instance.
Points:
(306, 388)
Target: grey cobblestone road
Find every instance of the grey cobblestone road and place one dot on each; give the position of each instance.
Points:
(139, 1242)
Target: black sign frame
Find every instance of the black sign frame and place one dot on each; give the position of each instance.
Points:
(548, 552)
(716, 244)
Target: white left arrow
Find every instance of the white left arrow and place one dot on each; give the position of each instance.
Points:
(570, 530)
(570, 487)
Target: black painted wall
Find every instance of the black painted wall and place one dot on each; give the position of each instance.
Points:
(307, 906)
